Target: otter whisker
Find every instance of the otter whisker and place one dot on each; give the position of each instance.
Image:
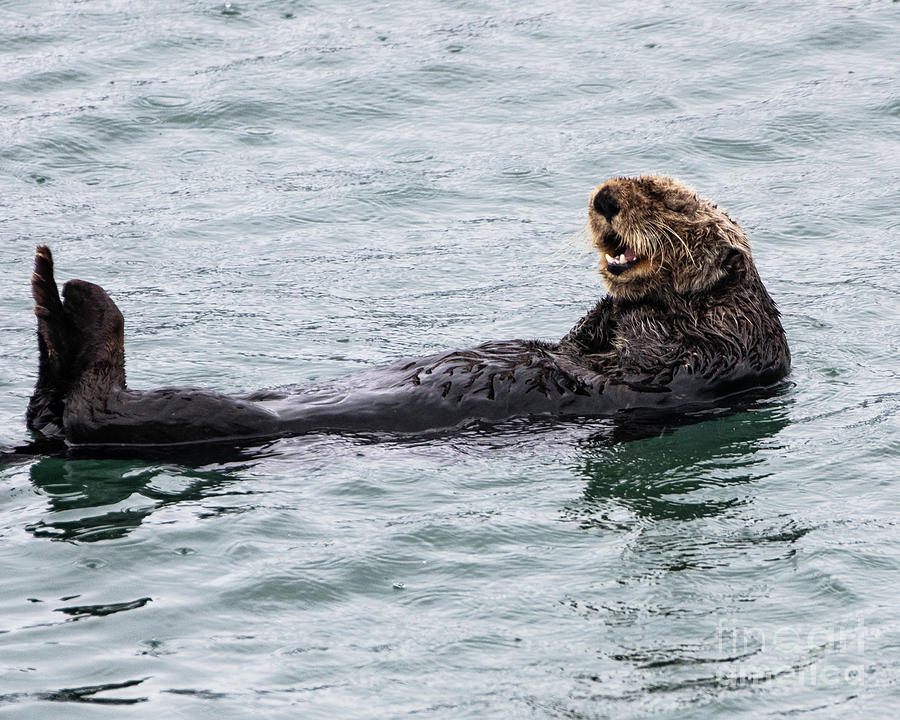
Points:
(662, 226)
(659, 246)
(645, 245)
(571, 249)
(661, 249)
(639, 243)
(582, 238)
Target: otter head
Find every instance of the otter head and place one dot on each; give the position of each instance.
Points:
(656, 236)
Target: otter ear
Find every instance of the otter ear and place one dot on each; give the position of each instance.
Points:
(732, 261)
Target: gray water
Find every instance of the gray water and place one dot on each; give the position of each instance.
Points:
(276, 192)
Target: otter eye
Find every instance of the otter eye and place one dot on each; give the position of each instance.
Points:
(605, 204)
(680, 204)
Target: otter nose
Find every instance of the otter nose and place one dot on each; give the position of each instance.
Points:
(606, 205)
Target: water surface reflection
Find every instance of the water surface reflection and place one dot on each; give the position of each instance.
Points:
(93, 500)
(692, 549)
(677, 468)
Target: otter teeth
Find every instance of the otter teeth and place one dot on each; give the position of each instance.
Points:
(610, 260)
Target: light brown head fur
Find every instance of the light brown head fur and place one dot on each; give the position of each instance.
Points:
(670, 237)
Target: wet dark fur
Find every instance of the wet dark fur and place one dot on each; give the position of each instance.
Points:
(689, 323)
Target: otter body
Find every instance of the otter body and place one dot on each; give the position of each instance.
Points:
(687, 321)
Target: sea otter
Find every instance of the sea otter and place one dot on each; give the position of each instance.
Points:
(686, 321)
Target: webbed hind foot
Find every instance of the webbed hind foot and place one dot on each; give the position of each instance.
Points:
(45, 408)
(100, 328)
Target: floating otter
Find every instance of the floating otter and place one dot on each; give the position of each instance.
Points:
(687, 321)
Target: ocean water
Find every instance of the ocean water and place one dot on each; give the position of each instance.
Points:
(276, 192)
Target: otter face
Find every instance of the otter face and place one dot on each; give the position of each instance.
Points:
(656, 235)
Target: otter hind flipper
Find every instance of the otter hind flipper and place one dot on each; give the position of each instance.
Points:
(45, 408)
(43, 285)
(52, 332)
(98, 323)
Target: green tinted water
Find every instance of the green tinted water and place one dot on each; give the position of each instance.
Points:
(275, 192)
